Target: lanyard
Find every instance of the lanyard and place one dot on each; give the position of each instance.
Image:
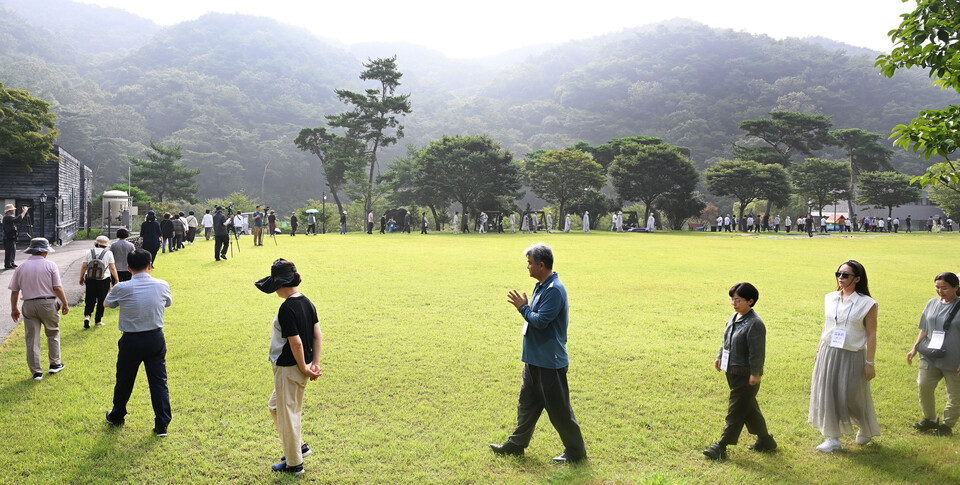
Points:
(836, 313)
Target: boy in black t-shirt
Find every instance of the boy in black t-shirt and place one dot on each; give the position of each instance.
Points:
(295, 345)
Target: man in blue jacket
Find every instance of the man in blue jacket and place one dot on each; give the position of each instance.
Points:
(545, 361)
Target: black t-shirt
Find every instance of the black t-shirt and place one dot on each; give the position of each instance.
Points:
(10, 226)
(296, 317)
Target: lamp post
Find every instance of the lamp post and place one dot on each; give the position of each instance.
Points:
(323, 213)
(43, 203)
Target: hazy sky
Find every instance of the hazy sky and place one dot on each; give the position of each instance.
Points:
(462, 29)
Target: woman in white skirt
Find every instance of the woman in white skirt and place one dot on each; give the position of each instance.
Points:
(840, 389)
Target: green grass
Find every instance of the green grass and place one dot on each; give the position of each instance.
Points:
(422, 364)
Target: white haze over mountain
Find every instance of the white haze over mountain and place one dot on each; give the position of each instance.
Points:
(462, 29)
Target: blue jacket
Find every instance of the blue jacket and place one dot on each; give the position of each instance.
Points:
(545, 344)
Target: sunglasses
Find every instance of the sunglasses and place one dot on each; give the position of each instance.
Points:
(843, 275)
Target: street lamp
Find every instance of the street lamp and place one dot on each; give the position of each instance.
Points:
(323, 213)
(43, 202)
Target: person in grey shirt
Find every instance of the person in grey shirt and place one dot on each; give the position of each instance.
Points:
(120, 249)
(142, 301)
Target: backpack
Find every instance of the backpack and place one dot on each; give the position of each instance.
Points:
(96, 268)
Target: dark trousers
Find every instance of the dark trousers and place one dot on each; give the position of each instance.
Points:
(742, 409)
(547, 389)
(220, 246)
(124, 275)
(150, 349)
(369, 228)
(93, 300)
(9, 252)
(191, 234)
(312, 228)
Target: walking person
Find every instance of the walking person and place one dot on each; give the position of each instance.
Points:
(343, 222)
(191, 228)
(221, 235)
(37, 282)
(142, 302)
(808, 223)
(295, 345)
(179, 231)
(513, 223)
(500, 223)
(238, 224)
(525, 225)
(10, 234)
(293, 223)
(370, 222)
(182, 233)
(207, 223)
(424, 223)
(741, 358)
(939, 346)
(151, 236)
(483, 223)
(840, 394)
(97, 272)
(166, 231)
(121, 248)
(586, 222)
(312, 224)
(383, 223)
(909, 227)
(787, 224)
(456, 222)
(406, 222)
(566, 224)
(776, 223)
(545, 359)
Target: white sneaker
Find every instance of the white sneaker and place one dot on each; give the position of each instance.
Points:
(830, 445)
(861, 439)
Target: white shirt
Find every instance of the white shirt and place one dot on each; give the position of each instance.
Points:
(108, 259)
(823, 221)
(849, 315)
(207, 220)
(719, 221)
(238, 221)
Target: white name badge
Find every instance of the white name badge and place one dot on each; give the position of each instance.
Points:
(936, 340)
(525, 324)
(724, 360)
(839, 336)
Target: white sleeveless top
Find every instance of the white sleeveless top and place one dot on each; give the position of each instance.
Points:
(849, 314)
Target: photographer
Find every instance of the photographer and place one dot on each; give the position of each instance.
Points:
(258, 227)
(10, 234)
(221, 235)
(272, 222)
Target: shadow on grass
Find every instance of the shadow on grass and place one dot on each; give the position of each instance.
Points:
(113, 459)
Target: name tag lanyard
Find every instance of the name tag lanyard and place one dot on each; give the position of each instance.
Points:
(840, 334)
(937, 336)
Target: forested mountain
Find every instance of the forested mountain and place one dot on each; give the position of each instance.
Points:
(235, 90)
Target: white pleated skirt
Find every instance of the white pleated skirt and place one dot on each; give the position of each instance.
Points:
(840, 394)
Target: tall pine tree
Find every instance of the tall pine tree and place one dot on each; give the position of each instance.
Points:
(163, 174)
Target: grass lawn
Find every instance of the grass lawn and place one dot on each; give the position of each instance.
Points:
(421, 362)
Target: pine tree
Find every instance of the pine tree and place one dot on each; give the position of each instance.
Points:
(163, 175)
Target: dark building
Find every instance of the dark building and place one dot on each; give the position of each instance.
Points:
(68, 187)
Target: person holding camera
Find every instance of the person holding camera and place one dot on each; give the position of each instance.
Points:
(221, 235)
(939, 347)
(258, 227)
(10, 234)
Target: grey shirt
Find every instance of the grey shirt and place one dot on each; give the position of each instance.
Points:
(120, 249)
(142, 301)
(932, 318)
(746, 338)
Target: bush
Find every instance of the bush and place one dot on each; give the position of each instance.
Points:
(84, 234)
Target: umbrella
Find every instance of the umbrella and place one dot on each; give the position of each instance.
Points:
(311, 211)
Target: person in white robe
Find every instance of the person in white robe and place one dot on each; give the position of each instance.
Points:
(549, 222)
(586, 221)
(525, 225)
(651, 222)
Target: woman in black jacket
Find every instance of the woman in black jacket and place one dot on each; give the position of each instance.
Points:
(150, 235)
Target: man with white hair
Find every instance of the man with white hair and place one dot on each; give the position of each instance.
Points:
(37, 280)
(545, 361)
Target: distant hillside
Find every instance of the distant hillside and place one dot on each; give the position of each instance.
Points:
(87, 28)
(235, 90)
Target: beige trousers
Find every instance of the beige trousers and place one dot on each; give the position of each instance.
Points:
(37, 313)
(927, 380)
(286, 405)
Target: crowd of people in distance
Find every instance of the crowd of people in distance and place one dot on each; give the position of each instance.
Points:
(810, 224)
(841, 402)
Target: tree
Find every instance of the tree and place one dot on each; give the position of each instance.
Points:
(746, 181)
(27, 129)
(865, 154)
(468, 169)
(372, 115)
(406, 184)
(164, 175)
(647, 172)
(887, 189)
(339, 157)
(559, 176)
(929, 38)
(822, 182)
(604, 154)
(593, 201)
(948, 200)
(785, 133)
(680, 207)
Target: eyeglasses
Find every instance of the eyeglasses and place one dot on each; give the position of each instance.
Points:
(843, 275)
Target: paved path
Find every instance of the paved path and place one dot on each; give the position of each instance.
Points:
(68, 257)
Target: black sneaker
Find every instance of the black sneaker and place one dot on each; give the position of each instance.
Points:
(304, 451)
(943, 430)
(926, 425)
(56, 368)
(113, 422)
(716, 451)
(86, 322)
(38, 376)
(160, 432)
(283, 468)
(764, 444)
